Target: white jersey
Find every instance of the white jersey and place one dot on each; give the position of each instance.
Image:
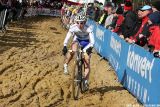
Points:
(85, 34)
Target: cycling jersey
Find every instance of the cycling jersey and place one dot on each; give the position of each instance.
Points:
(84, 37)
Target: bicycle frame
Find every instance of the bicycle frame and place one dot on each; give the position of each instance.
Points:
(77, 77)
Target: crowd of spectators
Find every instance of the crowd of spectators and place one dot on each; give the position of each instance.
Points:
(140, 26)
(16, 10)
(48, 4)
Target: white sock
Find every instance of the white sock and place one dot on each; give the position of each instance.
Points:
(65, 65)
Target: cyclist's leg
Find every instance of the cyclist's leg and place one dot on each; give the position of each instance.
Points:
(84, 43)
(87, 66)
(69, 56)
(86, 71)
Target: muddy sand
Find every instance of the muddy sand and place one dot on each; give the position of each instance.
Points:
(31, 70)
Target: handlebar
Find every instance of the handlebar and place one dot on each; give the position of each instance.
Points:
(85, 53)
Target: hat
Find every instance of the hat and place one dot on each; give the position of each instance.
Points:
(139, 8)
(128, 5)
(156, 5)
(119, 10)
(96, 2)
(109, 4)
(154, 17)
(146, 7)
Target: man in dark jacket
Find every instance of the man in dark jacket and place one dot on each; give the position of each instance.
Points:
(130, 20)
(2, 6)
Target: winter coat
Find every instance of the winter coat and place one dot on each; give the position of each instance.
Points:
(129, 23)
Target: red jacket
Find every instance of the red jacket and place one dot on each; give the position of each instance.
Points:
(154, 38)
(119, 23)
(144, 22)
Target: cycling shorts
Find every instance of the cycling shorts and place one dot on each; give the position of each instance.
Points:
(83, 43)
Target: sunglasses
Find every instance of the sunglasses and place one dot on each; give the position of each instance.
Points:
(142, 10)
(80, 23)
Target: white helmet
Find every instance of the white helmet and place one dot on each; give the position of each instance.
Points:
(80, 17)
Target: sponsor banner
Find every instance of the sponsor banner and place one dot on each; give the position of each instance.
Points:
(136, 69)
(31, 12)
(82, 1)
(42, 11)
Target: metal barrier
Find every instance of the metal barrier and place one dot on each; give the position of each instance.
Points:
(2, 19)
(56, 12)
(43, 11)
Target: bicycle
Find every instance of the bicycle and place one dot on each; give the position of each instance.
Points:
(77, 76)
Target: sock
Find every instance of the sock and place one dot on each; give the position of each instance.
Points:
(65, 65)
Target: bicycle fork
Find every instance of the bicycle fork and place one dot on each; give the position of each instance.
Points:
(79, 75)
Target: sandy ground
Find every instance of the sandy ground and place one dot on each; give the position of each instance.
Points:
(31, 70)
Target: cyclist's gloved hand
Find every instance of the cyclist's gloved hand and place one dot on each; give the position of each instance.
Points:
(89, 50)
(64, 51)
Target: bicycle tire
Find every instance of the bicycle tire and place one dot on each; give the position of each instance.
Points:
(82, 87)
(76, 82)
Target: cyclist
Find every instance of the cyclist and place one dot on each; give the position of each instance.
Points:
(83, 35)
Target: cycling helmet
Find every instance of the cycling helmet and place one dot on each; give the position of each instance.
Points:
(80, 17)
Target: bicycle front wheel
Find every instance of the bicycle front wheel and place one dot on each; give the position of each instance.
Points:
(76, 80)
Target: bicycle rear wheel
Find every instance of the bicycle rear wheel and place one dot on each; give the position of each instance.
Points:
(76, 81)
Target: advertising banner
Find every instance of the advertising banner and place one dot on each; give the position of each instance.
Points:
(43, 11)
(136, 68)
(82, 1)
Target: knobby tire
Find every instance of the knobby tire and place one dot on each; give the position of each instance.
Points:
(75, 84)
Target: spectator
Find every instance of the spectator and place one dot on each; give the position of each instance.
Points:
(24, 9)
(97, 14)
(129, 22)
(139, 12)
(101, 7)
(63, 11)
(154, 18)
(2, 5)
(156, 6)
(115, 3)
(140, 38)
(116, 26)
(154, 21)
(108, 21)
(154, 40)
(103, 17)
(105, 14)
(90, 11)
(96, 3)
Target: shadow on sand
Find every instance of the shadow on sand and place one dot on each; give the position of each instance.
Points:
(105, 89)
(19, 34)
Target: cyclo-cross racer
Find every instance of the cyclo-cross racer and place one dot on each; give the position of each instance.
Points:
(83, 35)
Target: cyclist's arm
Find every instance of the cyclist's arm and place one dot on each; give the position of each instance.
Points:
(68, 36)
